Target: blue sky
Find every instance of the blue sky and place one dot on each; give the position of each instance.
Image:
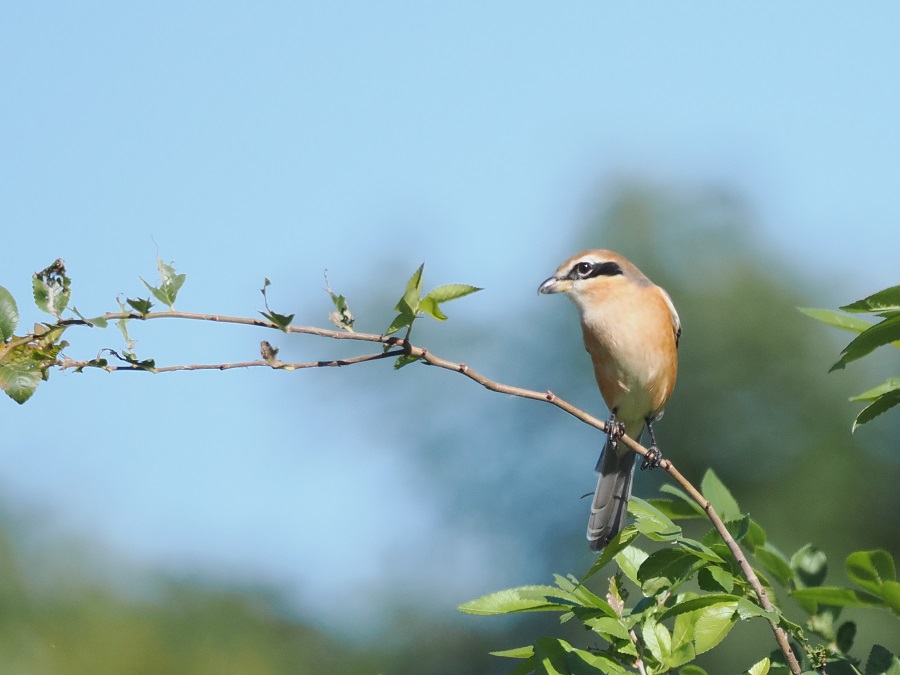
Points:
(281, 139)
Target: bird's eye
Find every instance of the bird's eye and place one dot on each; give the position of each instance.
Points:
(584, 268)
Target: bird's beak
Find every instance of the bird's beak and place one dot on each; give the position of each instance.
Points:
(554, 285)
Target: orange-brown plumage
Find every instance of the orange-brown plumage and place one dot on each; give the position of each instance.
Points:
(631, 330)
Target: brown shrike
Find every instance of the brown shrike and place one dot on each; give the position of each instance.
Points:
(631, 330)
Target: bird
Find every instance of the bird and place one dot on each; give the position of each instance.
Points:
(631, 332)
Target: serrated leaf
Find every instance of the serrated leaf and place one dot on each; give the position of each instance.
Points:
(837, 319)
(683, 496)
(871, 569)
(98, 321)
(409, 302)
(715, 579)
(694, 604)
(883, 301)
(876, 408)
(889, 385)
(629, 560)
(760, 668)
(658, 640)
(842, 597)
(280, 320)
(878, 335)
(52, 288)
(516, 653)
(651, 522)
(700, 550)
(692, 670)
(617, 544)
(9, 315)
(19, 382)
(676, 510)
(720, 497)
(405, 360)
(882, 662)
(449, 292)
(775, 563)
(140, 305)
(521, 599)
(402, 320)
(430, 307)
(663, 569)
(558, 657)
(890, 592)
(713, 624)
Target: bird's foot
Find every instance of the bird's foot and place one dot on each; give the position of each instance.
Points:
(615, 430)
(652, 459)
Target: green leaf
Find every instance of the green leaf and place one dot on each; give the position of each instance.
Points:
(842, 597)
(521, 599)
(692, 670)
(715, 579)
(837, 319)
(720, 497)
(52, 288)
(700, 550)
(760, 668)
(882, 662)
(402, 320)
(810, 565)
(405, 360)
(775, 563)
(99, 321)
(658, 640)
(713, 624)
(140, 305)
(878, 407)
(617, 544)
(883, 301)
(694, 604)
(283, 321)
(890, 591)
(9, 315)
(663, 569)
(875, 336)
(558, 657)
(409, 303)
(870, 569)
(682, 640)
(677, 509)
(19, 381)
(651, 522)
(450, 292)
(845, 636)
(630, 560)
(170, 284)
(873, 394)
(517, 653)
(430, 307)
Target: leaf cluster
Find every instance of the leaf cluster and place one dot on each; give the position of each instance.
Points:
(26, 360)
(413, 304)
(886, 306)
(690, 593)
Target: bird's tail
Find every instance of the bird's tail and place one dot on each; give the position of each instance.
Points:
(610, 505)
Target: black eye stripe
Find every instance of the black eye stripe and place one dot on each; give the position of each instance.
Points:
(588, 270)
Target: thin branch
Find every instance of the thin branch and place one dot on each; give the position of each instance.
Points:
(781, 636)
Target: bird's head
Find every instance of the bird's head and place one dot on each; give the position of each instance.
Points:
(591, 272)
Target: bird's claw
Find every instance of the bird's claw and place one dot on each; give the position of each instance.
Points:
(652, 459)
(615, 430)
